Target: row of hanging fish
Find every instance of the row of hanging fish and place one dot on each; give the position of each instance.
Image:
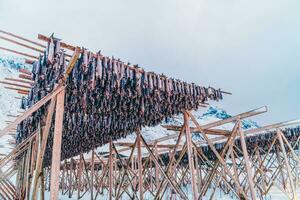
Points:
(106, 98)
(262, 140)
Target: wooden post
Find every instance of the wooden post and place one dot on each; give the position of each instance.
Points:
(79, 176)
(92, 174)
(190, 155)
(157, 178)
(70, 177)
(140, 165)
(247, 162)
(28, 156)
(110, 169)
(63, 183)
(42, 191)
(197, 170)
(151, 175)
(55, 166)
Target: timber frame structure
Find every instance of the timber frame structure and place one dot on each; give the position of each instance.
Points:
(240, 171)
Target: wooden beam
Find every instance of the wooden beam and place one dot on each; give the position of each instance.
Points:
(17, 89)
(56, 152)
(22, 93)
(62, 44)
(79, 173)
(72, 62)
(110, 180)
(140, 165)
(20, 44)
(20, 80)
(92, 174)
(17, 85)
(195, 130)
(25, 71)
(27, 167)
(190, 155)
(28, 61)
(19, 53)
(24, 76)
(129, 144)
(22, 38)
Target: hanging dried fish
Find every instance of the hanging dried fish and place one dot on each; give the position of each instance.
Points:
(106, 98)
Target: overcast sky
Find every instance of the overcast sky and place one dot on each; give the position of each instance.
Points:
(250, 48)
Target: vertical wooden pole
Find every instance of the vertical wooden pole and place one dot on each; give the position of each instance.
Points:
(197, 170)
(36, 174)
(92, 174)
(79, 176)
(140, 165)
(133, 168)
(33, 154)
(63, 183)
(190, 155)
(55, 166)
(42, 179)
(70, 177)
(28, 156)
(151, 174)
(157, 178)
(110, 169)
(114, 180)
(17, 180)
(287, 165)
(247, 162)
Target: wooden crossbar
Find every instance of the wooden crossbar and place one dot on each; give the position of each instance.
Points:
(19, 53)
(22, 38)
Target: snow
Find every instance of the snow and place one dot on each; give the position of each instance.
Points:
(274, 194)
(9, 103)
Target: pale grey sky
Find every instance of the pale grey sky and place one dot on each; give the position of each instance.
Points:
(250, 48)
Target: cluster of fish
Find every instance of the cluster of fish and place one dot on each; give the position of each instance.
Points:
(106, 98)
(263, 141)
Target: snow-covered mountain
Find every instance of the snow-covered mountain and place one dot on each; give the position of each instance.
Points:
(9, 104)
